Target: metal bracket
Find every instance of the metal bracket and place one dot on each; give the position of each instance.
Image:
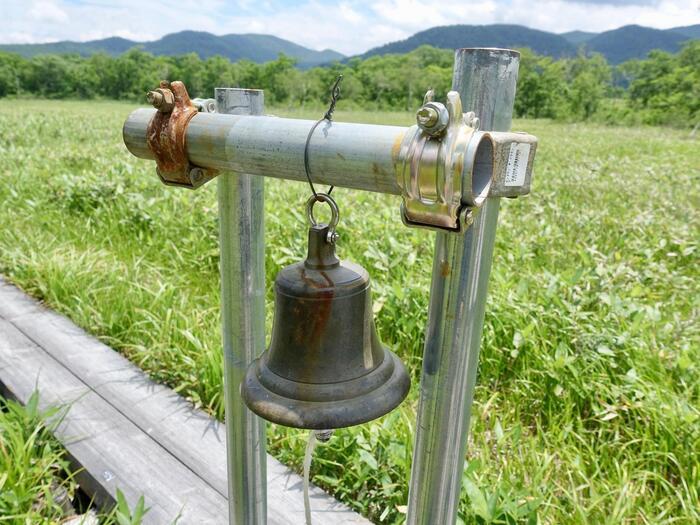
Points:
(435, 156)
(166, 134)
(447, 167)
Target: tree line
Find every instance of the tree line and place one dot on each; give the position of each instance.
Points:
(664, 88)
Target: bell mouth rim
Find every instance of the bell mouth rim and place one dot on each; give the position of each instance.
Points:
(328, 413)
(331, 391)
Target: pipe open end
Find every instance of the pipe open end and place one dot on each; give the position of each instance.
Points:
(482, 170)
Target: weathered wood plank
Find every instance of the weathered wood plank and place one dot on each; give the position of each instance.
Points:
(14, 302)
(112, 450)
(197, 440)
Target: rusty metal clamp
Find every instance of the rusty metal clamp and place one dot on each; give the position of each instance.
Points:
(166, 135)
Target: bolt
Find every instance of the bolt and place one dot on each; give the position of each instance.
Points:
(471, 120)
(433, 118)
(427, 117)
(468, 218)
(196, 175)
(155, 99)
(332, 237)
(161, 99)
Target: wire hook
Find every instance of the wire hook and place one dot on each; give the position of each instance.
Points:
(335, 94)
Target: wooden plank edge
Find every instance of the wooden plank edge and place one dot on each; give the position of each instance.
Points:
(112, 452)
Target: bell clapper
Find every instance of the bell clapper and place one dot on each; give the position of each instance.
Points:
(314, 436)
(323, 435)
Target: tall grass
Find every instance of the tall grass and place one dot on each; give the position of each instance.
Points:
(587, 405)
(34, 484)
(37, 485)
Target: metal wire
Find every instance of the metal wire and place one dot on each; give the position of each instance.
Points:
(328, 116)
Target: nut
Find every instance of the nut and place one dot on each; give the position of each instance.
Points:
(196, 175)
(427, 117)
(161, 99)
(433, 118)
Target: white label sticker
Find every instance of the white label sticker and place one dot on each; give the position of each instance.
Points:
(517, 163)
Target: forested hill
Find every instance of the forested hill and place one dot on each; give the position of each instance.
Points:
(630, 42)
(689, 31)
(616, 46)
(258, 48)
(496, 35)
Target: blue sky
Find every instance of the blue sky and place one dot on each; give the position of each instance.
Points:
(348, 26)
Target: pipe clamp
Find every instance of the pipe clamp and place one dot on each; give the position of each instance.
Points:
(166, 135)
(446, 167)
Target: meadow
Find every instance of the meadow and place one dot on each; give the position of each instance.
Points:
(587, 406)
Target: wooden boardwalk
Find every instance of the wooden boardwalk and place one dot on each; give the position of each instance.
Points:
(127, 432)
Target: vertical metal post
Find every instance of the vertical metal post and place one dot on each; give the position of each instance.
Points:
(241, 203)
(485, 79)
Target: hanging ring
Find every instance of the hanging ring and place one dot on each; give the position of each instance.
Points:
(335, 214)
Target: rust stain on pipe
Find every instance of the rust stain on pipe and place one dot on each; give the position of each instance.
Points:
(445, 268)
(396, 147)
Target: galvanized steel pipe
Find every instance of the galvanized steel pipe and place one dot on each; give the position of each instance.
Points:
(485, 79)
(360, 156)
(242, 245)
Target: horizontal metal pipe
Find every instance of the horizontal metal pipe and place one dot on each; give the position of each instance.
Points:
(360, 156)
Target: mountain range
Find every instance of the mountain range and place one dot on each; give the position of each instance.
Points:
(258, 48)
(617, 45)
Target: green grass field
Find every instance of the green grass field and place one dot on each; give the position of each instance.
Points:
(587, 407)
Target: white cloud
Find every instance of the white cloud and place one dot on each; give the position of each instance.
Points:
(349, 26)
(21, 37)
(349, 14)
(45, 11)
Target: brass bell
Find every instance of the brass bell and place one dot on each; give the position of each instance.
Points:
(325, 367)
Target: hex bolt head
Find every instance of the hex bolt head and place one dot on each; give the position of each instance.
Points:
(196, 175)
(471, 120)
(323, 435)
(161, 99)
(427, 117)
(433, 118)
(155, 99)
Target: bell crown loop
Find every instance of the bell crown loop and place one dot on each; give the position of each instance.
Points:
(331, 236)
